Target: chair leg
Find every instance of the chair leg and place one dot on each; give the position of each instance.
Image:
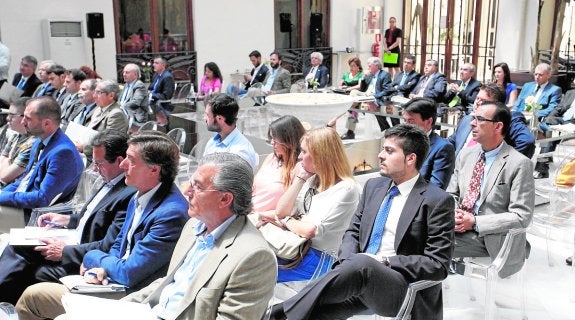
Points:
(490, 289)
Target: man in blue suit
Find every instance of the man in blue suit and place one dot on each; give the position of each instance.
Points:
(258, 73)
(161, 89)
(144, 246)
(53, 171)
(461, 94)
(316, 71)
(519, 135)
(406, 80)
(545, 94)
(440, 160)
(432, 84)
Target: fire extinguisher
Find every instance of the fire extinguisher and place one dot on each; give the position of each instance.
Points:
(376, 46)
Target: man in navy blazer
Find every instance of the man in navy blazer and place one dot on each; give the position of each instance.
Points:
(54, 169)
(258, 73)
(519, 135)
(545, 94)
(161, 88)
(27, 76)
(417, 243)
(461, 94)
(432, 84)
(404, 81)
(316, 71)
(45, 89)
(102, 215)
(144, 246)
(440, 160)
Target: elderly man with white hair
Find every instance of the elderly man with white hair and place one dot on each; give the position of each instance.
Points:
(133, 99)
(316, 72)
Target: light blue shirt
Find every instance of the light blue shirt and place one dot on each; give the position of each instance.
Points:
(490, 157)
(271, 79)
(173, 293)
(235, 143)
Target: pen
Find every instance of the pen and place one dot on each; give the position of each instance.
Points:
(93, 274)
(53, 224)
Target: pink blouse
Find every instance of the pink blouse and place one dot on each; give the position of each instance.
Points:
(268, 185)
(214, 86)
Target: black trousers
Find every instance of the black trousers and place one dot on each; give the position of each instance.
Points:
(353, 286)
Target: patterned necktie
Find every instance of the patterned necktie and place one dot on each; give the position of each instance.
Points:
(456, 99)
(474, 186)
(379, 224)
(422, 86)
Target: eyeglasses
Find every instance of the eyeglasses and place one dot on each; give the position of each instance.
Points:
(483, 119)
(100, 92)
(197, 189)
(307, 199)
(12, 115)
(97, 164)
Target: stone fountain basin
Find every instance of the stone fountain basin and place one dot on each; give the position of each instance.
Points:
(315, 108)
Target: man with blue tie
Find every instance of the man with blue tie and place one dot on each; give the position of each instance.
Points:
(46, 88)
(26, 79)
(57, 76)
(539, 92)
(161, 90)
(402, 232)
(83, 115)
(404, 81)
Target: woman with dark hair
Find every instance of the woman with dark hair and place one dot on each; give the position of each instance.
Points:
(502, 77)
(276, 172)
(212, 80)
(350, 80)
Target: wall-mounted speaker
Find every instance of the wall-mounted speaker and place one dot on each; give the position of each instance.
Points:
(95, 25)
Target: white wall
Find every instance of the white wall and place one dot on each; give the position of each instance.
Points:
(226, 31)
(516, 33)
(21, 30)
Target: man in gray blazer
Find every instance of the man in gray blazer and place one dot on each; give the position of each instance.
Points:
(495, 185)
(134, 98)
(221, 267)
(278, 79)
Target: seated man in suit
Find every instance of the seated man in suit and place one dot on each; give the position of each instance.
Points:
(375, 83)
(57, 76)
(134, 99)
(563, 114)
(432, 84)
(53, 171)
(496, 189)
(26, 79)
(220, 117)
(161, 89)
(539, 93)
(83, 115)
(142, 250)
(440, 160)
(258, 73)
(278, 79)
(72, 103)
(461, 94)
(519, 135)
(45, 89)
(316, 73)
(15, 154)
(97, 225)
(378, 260)
(404, 81)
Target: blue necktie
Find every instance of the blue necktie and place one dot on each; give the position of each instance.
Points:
(21, 83)
(379, 224)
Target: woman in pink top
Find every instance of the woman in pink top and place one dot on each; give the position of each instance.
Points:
(212, 80)
(275, 173)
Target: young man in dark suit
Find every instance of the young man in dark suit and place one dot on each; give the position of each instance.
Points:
(402, 232)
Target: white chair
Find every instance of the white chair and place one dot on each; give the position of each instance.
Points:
(484, 269)
(179, 137)
(150, 125)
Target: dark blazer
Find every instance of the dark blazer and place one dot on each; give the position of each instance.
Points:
(440, 161)
(70, 107)
(396, 89)
(466, 96)
(423, 242)
(88, 117)
(49, 91)
(258, 78)
(164, 90)
(152, 242)
(435, 89)
(556, 116)
(30, 86)
(57, 173)
(321, 75)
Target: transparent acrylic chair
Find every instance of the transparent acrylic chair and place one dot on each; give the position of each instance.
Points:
(7, 311)
(489, 271)
(178, 135)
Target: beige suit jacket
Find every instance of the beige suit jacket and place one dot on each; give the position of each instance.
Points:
(110, 118)
(506, 201)
(235, 281)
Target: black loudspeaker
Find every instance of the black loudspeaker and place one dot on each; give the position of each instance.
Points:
(95, 25)
(315, 30)
(285, 22)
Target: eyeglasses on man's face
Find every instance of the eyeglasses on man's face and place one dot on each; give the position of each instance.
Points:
(483, 119)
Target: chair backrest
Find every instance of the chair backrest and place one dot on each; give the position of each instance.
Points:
(513, 236)
(179, 137)
(150, 125)
(565, 172)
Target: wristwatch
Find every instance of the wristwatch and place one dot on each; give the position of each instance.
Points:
(385, 261)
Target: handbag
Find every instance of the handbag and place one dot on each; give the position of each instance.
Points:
(566, 176)
(285, 244)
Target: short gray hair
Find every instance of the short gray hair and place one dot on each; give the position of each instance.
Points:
(376, 61)
(234, 175)
(109, 86)
(317, 55)
(133, 67)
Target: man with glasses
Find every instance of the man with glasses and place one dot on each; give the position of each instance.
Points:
(404, 81)
(519, 135)
(495, 188)
(154, 220)
(461, 94)
(220, 116)
(97, 224)
(15, 154)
